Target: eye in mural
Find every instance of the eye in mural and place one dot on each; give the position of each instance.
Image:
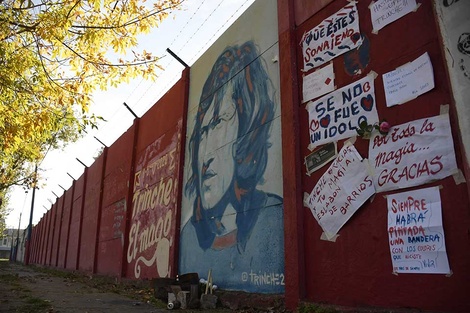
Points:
(236, 229)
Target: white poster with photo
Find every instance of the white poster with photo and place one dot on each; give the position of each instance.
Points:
(413, 154)
(416, 235)
(318, 83)
(408, 81)
(384, 12)
(337, 34)
(336, 115)
(342, 189)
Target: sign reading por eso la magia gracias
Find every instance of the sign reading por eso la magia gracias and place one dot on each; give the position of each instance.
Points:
(416, 235)
(341, 190)
(337, 34)
(413, 154)
(337, 115)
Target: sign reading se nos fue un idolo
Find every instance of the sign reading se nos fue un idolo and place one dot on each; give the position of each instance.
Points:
(416, 235)
(338, 114)
(337, 34)
(413, 154)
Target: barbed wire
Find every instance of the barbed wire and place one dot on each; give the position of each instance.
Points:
(109, 125)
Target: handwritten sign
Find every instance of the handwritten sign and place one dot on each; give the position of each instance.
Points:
(334, 36)
(413, 153)
(344, 187)
(384, 12)
(338, 114)
(318, 83)
(415, 232)
(408, 81)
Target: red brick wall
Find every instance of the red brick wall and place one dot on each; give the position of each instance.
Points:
(356, 270)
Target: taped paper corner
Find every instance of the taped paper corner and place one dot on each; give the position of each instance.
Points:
(326, 237)
(373, 74)
(306, 195)
(450, 274)
(459, 178)
(353, 139)
(444, 109)
(347, 143)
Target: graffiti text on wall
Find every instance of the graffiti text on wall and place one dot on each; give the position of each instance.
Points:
(260, 279)
(155, 187)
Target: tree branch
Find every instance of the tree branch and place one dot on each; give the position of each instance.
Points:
(130, 22)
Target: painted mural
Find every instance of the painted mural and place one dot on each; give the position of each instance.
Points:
(235, 227)
(153, 223)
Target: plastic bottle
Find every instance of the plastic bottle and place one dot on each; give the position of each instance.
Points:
(173, 305)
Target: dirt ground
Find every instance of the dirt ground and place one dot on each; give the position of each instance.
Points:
(30, 289)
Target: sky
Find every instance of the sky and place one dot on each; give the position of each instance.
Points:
(188, 33)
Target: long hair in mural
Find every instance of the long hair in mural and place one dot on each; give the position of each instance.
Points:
(236, 230)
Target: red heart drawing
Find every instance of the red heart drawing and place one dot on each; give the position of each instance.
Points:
(367, 103)
(325, 121)
(314, 124)
(355, 37)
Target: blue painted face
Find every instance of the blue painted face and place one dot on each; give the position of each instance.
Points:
(216, 164)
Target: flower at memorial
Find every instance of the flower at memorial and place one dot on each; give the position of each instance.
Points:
(365, 130)
(383, 127)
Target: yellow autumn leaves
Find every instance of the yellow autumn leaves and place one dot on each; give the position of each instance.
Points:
(53, 56)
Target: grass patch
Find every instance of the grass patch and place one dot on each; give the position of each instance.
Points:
(315, 308)
(32, 304)
(9, 277)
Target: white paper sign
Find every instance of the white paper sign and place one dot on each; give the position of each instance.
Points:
(413, 154)
(384, 12)
(337, 34)
(338, 114)
(318, 83)
(408, 81)
(415, 232)
(344, 187)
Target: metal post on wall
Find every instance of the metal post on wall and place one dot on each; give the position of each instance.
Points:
(30, 226)
(177, 58)
(100, 140)
(130, 110)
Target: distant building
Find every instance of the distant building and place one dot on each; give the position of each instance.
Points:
(8, 244)
(5, 243)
